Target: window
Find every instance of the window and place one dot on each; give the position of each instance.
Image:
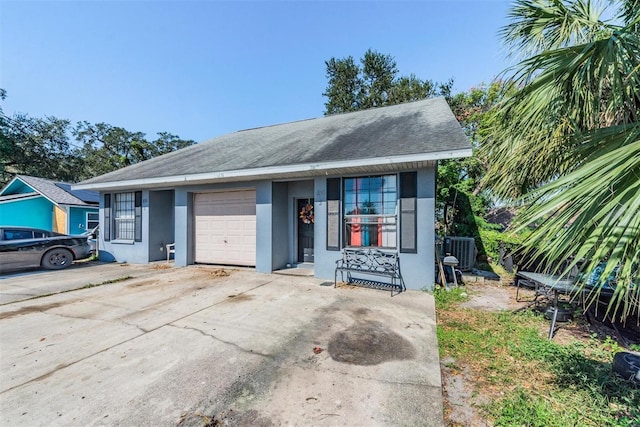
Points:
(93, 219)
(21, 234)
(17, 234)
(370, 217)
(123, 216)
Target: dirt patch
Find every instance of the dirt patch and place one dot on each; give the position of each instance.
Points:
(239, 298)
(219, 272)
(33, 309)
(492, 297)
(143, 283)
(345, 285)
(361, 312)
(369, 343)
(240, 418)
(459, 400)
(228, 418)
(492, 301)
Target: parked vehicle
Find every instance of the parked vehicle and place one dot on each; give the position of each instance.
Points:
(25, 247)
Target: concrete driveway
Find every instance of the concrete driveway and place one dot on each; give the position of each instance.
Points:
(26, 284)
(193, 346)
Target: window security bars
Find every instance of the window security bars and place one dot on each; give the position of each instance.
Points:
(124, 216)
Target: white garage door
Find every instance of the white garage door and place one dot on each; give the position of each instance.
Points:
(225, 227)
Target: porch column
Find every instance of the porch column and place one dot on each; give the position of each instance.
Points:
(183, 231)
(264, 234)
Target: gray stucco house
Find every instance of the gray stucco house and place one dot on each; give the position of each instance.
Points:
(292, 193)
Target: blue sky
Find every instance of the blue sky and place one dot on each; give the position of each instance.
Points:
(200, 69)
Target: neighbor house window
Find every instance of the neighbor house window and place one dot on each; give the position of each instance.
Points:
(93, 219)
(370, 217)
(123, 216)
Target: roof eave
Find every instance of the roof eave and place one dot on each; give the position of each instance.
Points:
(77, 205)
(23, 196)
(272, 171)
(14, 179)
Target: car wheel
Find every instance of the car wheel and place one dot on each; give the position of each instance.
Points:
(627, 365)
(55, 259)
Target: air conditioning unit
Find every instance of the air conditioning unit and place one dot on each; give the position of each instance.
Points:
(463, 248)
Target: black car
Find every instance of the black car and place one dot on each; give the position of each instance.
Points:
(24, 247)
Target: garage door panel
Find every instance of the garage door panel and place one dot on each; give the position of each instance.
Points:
(225, 227)
(234, 224)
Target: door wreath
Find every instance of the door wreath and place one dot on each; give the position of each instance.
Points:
(306, 214)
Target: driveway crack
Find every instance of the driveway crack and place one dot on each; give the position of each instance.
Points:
(242, 349)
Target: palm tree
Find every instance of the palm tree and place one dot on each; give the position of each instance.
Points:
(567, 145)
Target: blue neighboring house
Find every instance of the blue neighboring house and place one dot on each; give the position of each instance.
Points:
(41, 203)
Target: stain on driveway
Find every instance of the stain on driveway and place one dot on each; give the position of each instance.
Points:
(369, 343)
(187, 347)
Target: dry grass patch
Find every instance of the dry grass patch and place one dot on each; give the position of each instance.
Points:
(219, 272)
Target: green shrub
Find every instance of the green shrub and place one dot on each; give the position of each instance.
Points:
(491, 240)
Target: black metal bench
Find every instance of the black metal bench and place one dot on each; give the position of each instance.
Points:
(370, 262)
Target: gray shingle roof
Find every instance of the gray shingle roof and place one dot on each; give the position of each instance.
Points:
(414, 128)
(60, 192)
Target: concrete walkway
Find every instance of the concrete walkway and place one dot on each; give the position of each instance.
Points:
(190, 346)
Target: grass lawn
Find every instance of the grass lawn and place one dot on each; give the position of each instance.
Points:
(526, 380)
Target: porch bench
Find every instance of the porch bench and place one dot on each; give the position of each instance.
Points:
(370, 262)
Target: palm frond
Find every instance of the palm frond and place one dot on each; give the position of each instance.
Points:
(540, 25)
(569, 138)
(593, 213)
(563, 91)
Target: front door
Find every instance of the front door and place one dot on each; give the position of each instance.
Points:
(305, 229)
